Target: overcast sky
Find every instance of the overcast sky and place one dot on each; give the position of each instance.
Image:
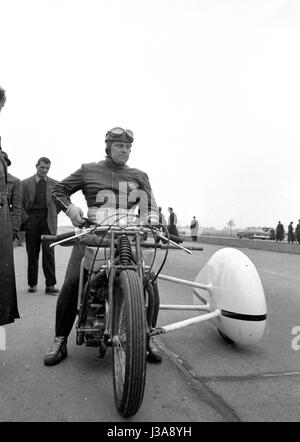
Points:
(210, 88)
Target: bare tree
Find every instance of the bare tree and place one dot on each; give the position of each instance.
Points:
(231, 224)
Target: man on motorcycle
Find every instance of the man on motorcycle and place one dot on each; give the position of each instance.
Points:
(109, 186)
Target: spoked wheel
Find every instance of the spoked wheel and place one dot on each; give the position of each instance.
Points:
(129, 343)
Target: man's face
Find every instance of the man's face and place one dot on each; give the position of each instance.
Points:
(42, 169)
(120, 152)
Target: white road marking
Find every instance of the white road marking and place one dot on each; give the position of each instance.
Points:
(285, 275)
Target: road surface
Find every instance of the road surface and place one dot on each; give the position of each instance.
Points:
(201, 379)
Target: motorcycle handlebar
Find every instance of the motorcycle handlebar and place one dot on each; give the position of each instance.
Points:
(75, 233)
(58, 237)
(102, 230)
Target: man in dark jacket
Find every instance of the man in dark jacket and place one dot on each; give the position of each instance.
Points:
(39, 216)
(297, 232)
(109, 186)
(279, 232)
(291, 235)
(8, 295)
(172, 226)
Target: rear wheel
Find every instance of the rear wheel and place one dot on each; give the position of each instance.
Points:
(129, 343)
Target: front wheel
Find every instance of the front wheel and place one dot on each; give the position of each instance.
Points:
(129, 343)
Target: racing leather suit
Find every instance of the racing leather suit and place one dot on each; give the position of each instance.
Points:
(108, 185)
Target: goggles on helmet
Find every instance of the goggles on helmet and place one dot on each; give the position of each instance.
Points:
(118, 132)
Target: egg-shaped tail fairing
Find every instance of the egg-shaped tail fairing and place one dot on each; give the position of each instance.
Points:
(236, 290)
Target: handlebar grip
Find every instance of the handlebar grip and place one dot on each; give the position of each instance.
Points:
(58, 237)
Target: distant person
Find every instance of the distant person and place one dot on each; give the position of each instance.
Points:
(162, 222)
(291, 236)
(8, 293)
(297, 232)
(279, 232)
(194, 228)
(161, 217)
(39, 217)
(172, 225)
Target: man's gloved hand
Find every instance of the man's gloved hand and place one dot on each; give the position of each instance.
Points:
(75, 214)
(15, 234)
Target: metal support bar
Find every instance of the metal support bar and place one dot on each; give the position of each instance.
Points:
(186, 322)
(80, 284)
(83, 232)
(184, 307)
(185, 282)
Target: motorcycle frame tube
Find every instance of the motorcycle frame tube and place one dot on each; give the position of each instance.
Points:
(184, 307)
(80, 288)
(185, 282)
(187, 322)
(111, 276)
(139, 260)
(207, 287)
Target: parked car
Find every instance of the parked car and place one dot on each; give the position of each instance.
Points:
(262, 235)
(247, 233)
(253, 233)
(271, 232)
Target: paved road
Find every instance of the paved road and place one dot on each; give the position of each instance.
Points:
(202, 379)
(257, 383)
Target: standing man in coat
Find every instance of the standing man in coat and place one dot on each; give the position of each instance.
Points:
(194, 228)
(291, 235)
(8, 294)
(39, 217)
(297, 232)
(162, 222)
(172, 226)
